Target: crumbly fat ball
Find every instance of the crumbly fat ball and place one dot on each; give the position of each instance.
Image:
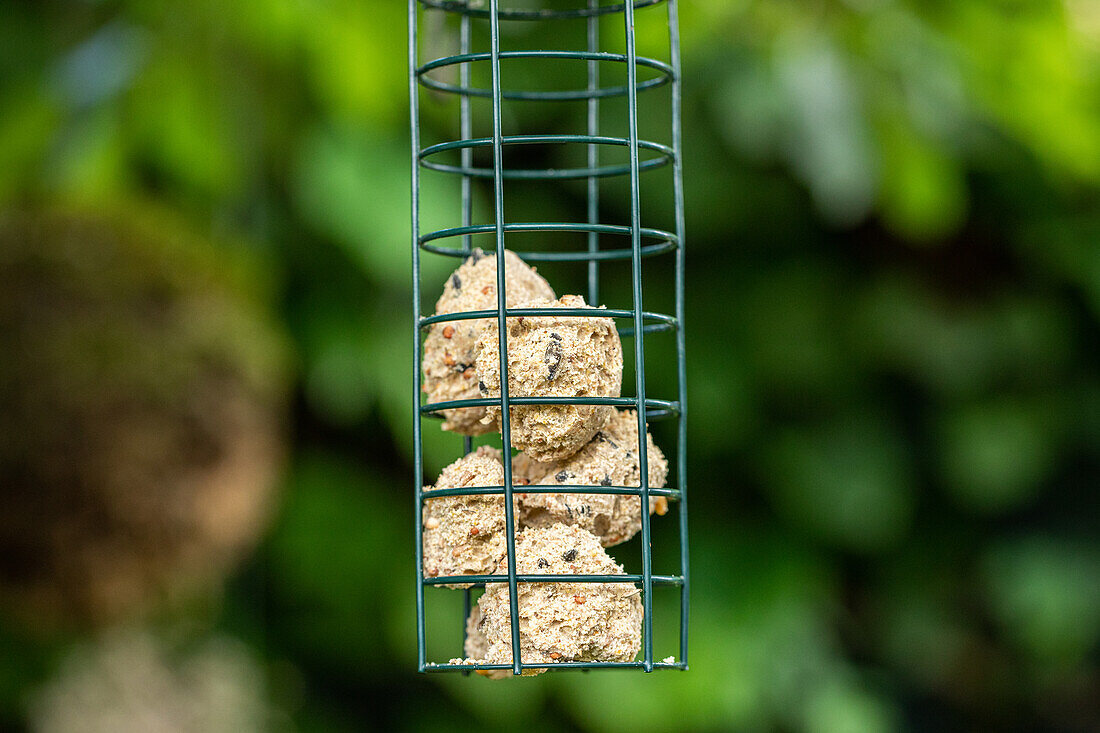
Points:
(560, 622)
(551, 356)
(609, 459)
(526, 470)
(477, 646)
(450, 348)
(464, 535)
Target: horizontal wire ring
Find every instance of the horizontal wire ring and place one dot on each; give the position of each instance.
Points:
(464, 7)
(530, 578)
(433, 667)
(665, 156)
(666, 241)
(543, 489)
(666, 75)
(659, 321)
(655, 409)
(542, 312)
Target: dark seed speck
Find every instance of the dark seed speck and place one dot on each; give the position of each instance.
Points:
(456, 282)
(562, 477)
(606, 481)
(552, 359)
(543, 563)
(569, 555)
(600, 436)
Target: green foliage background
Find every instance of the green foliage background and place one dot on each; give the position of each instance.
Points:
(894, 267)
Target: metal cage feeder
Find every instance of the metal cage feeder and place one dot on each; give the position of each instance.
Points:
(639, 243)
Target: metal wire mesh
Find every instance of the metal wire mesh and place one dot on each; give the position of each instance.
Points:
(644, 242)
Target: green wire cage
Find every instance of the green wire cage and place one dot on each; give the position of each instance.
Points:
(452, 75)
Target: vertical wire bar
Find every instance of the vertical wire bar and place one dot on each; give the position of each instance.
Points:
(681, 352)
(502, 330)
(466, 606)
(418, 453)
(593, 154)
(466, 132)
(639, 331)
(593, 157)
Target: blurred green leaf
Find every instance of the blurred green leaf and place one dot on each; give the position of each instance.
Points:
(995, 455)
(924, 195)
(826, 141)
(179, 123)
(847, 480)
(843, 708)
(27, 126)
(1045, 593)
(960, 347)
(329, 589)
(354, 189)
